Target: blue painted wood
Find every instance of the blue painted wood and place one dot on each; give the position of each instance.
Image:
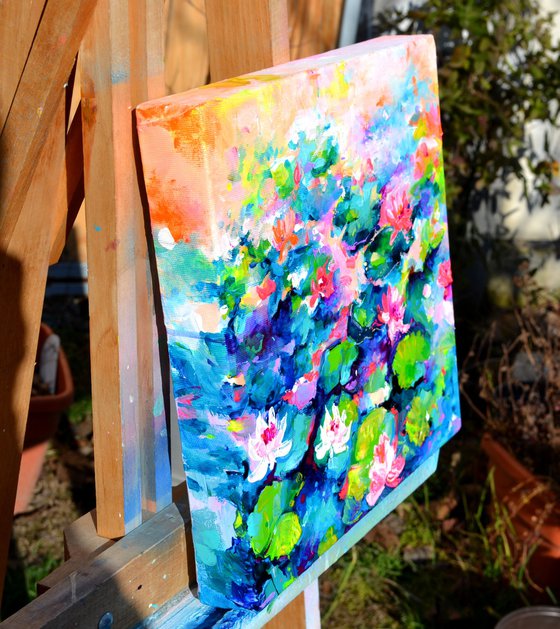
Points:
(156, 465)
(186, 612)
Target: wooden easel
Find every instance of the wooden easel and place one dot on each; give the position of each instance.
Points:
(42, 143)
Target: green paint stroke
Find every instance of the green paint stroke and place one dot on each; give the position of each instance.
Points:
(368, 435)
(418, 418)
(337, 364)
(286, 536)
(408, 364)
(272, 534)
(329, 541)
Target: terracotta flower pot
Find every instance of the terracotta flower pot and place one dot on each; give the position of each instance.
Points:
(42, 421)
(534, 511)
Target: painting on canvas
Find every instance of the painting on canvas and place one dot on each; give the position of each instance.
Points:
(300, 233)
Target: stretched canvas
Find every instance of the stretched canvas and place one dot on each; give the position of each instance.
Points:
(299, 226)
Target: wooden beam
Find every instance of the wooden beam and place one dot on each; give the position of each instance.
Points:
(292, 616)
(81, 545)
(121, 64)
(19, 20)
(186, 54)
(147, 50)
(246, 35)
(126, 582)
(23, 273)
(81, 538)
(314, 26)
(35, 102)
(74, 165)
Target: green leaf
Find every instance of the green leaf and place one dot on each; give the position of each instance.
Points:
(418, 419)
(238, 525)
(324, 157)
(337, 364)
(409, 359)
(363, 317)
(260, 523)
(377, 380)
(368, 434)
(286, 535)
(348, 406)
(273, 501)
(358, 482)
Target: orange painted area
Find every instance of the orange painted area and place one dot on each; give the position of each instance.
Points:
(422, 60)
(172, 208)
(196, 130)
(192, 128)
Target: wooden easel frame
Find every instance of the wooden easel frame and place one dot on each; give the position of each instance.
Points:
(148, 573)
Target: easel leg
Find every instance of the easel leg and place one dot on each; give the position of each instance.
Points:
(302, 613)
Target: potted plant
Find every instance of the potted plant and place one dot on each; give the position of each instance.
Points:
(45, 408)
(516, 368)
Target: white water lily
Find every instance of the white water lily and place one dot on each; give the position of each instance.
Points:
(333, 434)
(267, 445)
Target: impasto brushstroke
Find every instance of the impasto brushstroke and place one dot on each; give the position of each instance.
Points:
(300, 232)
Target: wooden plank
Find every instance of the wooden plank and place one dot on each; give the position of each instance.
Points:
(118, 69)
(69, 567)
(314, 26)
(23, 274)
(147, 55)
(246, 35)
(34, 105)
(188, 611)
(292, 616)
(74, 166)
(81, 544)
(127, 581)
(102, 242)
(70, 202)
(81, 538)
(186, 55)
(19, 20)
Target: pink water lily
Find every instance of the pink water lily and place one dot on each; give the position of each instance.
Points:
(266, 445)
(445, 278)
(396, 212)
(391, 313)
(322, 286)
(333, 434)
(385, 470)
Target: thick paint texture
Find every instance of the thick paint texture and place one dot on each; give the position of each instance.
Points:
(300, 232)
